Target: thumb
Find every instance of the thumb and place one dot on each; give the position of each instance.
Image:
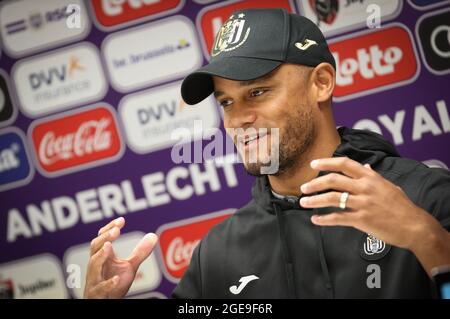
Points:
(143, 249)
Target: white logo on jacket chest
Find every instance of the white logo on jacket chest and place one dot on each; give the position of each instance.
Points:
(236, 290)
(373, 245)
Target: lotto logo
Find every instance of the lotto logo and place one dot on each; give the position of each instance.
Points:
(374, 61)
(76, 141)
(178, 240)
(110, 13)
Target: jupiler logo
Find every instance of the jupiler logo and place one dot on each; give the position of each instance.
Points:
(231, 35)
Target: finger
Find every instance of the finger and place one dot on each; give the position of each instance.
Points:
(340, 164)
(334, 219)
(118, 222)
(97, 261)
(327, 199)
(143, 249)
(103, 289)
(98, 242)
(330, 181)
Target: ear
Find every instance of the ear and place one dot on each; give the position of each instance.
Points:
(324, 79)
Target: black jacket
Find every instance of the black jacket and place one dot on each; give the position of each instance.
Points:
(275, 241)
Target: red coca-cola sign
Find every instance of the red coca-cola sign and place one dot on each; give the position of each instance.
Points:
(178, 240)
(76, 140)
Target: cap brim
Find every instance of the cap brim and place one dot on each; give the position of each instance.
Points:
(199, 85)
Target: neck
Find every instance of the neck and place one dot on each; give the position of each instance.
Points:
(289, 183)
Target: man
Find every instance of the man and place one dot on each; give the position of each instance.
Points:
(343, 216)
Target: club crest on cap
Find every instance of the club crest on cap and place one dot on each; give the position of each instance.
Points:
(231, 35)
(373, 248)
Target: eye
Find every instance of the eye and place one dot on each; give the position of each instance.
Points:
(257, 92)
(225, 103)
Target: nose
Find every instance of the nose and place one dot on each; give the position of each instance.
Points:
(241, 116)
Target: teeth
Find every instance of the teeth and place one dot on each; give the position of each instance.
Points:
(248, 140)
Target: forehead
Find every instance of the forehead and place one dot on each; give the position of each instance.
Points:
(284, 71)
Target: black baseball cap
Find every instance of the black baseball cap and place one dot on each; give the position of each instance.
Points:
(254, 42)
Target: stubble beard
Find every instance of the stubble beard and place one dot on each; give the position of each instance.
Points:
(295, 140)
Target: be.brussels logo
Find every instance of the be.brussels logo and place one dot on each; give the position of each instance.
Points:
(59, 80)
(7, 112)
(427, 4)
(29, 26)
(116, 13)
(178, 240)
(131, 53)
(211, 18)
(76, 140)
(373, 61)
(337, 16)
(433, 33)
(15, 167)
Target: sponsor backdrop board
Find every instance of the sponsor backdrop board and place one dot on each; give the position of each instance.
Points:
(89, 99)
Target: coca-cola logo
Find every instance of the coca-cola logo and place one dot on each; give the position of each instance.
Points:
(179, 253)
(91, 136)
(374, 61)
(76, 140)
(178, 240)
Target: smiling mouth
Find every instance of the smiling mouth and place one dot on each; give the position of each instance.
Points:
(250, 140)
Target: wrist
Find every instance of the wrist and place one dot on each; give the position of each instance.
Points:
(426, 235)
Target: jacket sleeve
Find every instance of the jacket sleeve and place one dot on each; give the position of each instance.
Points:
(435, 195)
(190, 286)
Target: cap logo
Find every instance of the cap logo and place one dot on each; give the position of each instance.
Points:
(305, 45)
(231, 35)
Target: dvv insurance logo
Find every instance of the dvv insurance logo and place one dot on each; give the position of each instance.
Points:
(76, 140)
(111, 14)
(152, 53)
(210, 19)
(150, 117)
(178, 240)
(433, 34)
(15, 165)
(373, 61)
(29, 26)
(59, 80)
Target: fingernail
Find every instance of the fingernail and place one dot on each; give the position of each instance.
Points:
(115, 280)
(315, 218)
(118, 221)
(314, 163)
(304, 201)
(304, 187)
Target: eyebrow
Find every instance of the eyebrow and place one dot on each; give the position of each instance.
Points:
(247, 83)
